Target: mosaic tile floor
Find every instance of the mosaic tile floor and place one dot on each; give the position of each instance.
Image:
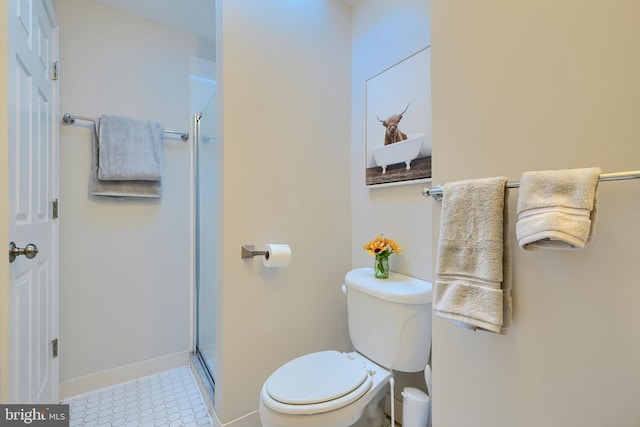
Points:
(169, 398)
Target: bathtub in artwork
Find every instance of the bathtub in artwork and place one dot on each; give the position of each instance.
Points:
(400, 152)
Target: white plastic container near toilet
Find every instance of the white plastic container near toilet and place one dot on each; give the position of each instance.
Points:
(415, 407)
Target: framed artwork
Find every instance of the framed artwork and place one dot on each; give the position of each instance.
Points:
(398, 122)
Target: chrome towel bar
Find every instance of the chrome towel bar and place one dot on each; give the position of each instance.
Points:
(71, 118)
(436, 192)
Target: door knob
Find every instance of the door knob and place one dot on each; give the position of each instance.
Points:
(30, 251)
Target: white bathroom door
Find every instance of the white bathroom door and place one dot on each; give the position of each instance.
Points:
(32, 153)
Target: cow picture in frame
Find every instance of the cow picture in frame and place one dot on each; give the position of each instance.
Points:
(398, 122)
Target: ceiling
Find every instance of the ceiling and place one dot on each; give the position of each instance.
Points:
(191, 16)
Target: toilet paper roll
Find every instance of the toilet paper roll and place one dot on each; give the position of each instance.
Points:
(277, 256)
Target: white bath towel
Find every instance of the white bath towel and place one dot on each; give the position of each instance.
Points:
(473, 271)
(130, 149)
(118, 189)
(557, 209)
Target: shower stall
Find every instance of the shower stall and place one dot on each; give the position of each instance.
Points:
(206, 235)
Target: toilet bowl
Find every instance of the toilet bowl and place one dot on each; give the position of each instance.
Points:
(390, 329)
(334, 387)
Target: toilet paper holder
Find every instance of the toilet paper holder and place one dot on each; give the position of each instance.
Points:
(249, 252)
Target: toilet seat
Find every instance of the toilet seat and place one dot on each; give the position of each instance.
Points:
(316, 383)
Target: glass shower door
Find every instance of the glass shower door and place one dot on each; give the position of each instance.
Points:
(206, 222)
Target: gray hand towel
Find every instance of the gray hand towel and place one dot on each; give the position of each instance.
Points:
(473, 272)
(557, 209)
(117, 189)
(130, 149)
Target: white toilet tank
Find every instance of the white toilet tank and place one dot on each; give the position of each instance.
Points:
(390, 319)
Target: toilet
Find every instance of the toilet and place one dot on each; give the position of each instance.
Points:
(390, 329)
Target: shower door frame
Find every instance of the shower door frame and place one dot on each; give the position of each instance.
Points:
(197, 139)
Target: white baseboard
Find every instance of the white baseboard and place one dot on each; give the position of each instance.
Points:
(122, 374)
(252, 419)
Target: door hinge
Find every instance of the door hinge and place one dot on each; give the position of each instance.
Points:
(54, 71)
(55, 209)
(54, 348)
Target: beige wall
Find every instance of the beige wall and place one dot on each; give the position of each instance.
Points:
(515, 88)
(400, 212)
(125, 295)
(523, 86)
(284, 88)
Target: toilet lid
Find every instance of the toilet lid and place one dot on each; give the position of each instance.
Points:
(324, 379)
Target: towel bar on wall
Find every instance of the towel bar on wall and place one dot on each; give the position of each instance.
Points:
(71, 118)
(437, 191)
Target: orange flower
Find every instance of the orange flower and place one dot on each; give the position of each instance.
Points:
(395, 247)
(382, 246)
